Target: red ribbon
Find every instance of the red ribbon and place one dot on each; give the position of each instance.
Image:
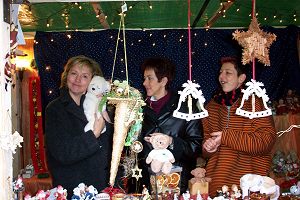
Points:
(36, 126)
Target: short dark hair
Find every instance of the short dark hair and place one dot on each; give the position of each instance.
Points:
(162, 67)
(237, 65)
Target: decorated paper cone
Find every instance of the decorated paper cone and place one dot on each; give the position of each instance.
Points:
(121, 125)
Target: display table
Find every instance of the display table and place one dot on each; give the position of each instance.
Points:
(289, 141)
(34, 184)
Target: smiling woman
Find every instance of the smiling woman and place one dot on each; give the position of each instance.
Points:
(74, 155)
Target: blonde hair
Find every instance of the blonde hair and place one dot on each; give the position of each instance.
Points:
(82, 61)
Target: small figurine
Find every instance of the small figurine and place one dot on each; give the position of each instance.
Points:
(281, 108)
(145, 192)
(289, 96)
(225, 191)
(18, 187)
(235, 192)
(90, 192)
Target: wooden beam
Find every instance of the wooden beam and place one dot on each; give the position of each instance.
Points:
(100, 15)
(203, 8)
(219, 13)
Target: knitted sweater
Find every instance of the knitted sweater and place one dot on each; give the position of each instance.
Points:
(245, 144)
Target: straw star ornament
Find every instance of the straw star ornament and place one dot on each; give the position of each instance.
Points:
(136, 172)
(256, 43)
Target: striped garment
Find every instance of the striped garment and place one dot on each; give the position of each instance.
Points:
(245, 147)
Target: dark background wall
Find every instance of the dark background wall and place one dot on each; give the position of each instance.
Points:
(52, 51)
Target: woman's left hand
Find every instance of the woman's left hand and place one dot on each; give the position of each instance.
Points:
(99, 125)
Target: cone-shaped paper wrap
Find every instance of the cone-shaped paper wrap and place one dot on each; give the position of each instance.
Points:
(127, 111)
(119, 137)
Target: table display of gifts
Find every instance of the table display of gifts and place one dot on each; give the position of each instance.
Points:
(57, 193)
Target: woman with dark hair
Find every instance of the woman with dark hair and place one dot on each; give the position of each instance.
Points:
(185, 137)
(235, 145)
(75, 156)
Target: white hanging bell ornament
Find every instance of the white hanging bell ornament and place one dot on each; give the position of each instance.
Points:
(190, 89)
(254, 88)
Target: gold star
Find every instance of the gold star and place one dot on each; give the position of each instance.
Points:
(256, 43)
(136, 172)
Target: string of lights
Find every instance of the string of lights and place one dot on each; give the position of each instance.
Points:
(69, 16)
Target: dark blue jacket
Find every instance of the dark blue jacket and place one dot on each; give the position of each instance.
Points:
(75, 156)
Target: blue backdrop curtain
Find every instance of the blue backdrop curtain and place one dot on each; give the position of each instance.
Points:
(52, 50)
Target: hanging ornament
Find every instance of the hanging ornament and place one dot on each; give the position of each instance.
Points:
(254, 88)
(136, 172)
(128, 102)
(10, 67)
(256, 44)
(190, 89)
(9, 141)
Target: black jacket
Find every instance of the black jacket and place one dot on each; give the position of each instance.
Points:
(187, 138)
(75, 156)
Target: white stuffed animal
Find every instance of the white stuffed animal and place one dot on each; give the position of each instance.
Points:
(257, 183)
(160, 157)
(96, 89)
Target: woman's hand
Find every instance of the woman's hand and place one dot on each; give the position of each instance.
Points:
(99, 125)
(211, 144)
